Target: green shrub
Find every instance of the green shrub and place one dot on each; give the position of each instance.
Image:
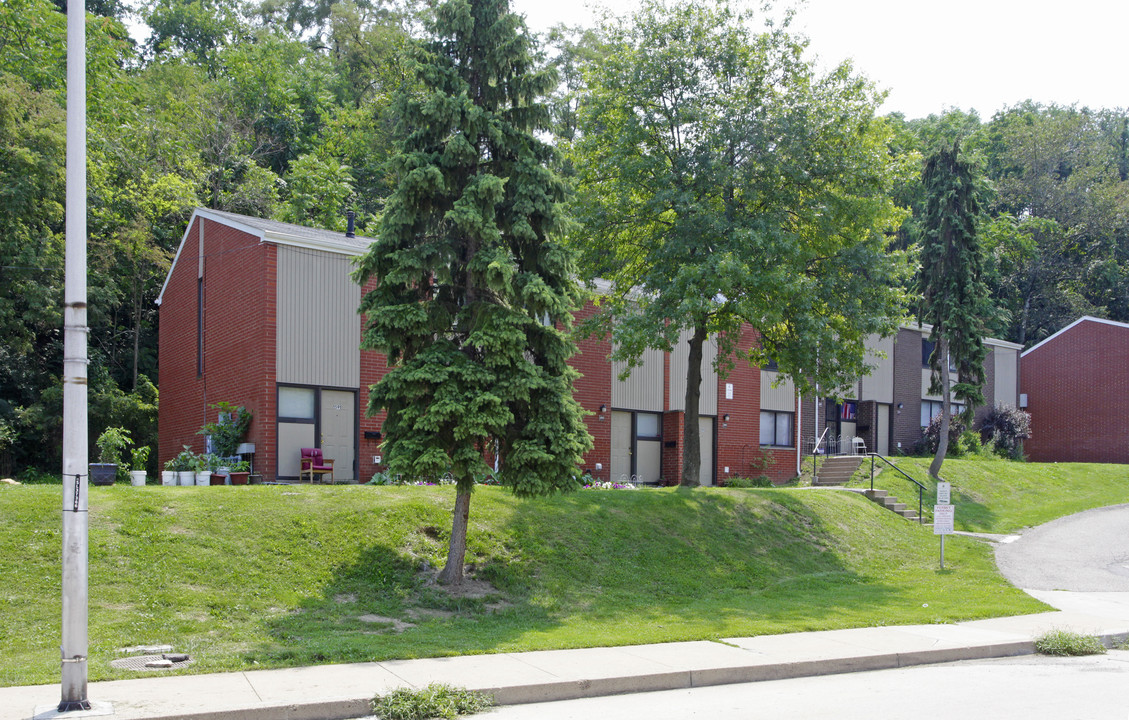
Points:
(1006, 427)
(382, 477)
(1065, 642)
(967, 444)
(434, 701)
(738, 481)
(928, 443)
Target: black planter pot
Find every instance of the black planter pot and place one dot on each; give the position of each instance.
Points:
(103, 473)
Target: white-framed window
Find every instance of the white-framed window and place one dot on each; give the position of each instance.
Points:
(776, 428)
(932, 408)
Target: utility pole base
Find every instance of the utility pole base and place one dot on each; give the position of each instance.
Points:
(58, 712)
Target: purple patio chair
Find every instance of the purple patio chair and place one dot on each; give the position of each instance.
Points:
(315, 465)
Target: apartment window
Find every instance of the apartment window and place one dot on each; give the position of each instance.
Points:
(776, 428)
(849, 410)
(927, 350)
(932, 408)
(648, 426)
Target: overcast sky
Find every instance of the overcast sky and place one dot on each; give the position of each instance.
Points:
(969, 54)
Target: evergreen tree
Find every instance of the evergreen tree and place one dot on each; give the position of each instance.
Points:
(471, 290)
(954, 298)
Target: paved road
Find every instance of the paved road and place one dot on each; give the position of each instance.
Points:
(1085, 552)
(1030, 687)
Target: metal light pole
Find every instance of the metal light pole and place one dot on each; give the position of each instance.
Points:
(75, 444)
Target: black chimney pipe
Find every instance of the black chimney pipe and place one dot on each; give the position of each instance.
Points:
(350, 217)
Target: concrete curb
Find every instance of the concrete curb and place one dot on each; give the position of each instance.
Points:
(340, 692)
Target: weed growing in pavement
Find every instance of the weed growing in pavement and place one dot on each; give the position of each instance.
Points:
(434, 701)
(1065, 642)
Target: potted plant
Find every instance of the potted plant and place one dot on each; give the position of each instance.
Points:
(185, 465)
(168, 475)
(229, 429)
(201, 469)
(240, 472)
(111, 443)
(217, 469)
(139, 457)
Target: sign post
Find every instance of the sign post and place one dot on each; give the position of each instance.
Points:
(943, 525)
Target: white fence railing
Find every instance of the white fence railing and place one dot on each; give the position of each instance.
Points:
(835, 445)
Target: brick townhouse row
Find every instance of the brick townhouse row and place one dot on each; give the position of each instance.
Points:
(263, 314)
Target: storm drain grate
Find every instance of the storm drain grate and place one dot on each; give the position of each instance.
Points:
(150, 663)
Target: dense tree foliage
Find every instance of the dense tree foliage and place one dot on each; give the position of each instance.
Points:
(285, 109)
(953, 296)
(723, 181)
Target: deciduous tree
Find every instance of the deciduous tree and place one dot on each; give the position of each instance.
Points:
(722, 181)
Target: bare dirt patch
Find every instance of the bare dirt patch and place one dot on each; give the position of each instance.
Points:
(396, 624)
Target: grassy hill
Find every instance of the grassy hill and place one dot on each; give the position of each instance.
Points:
(268, 576)
(999, 496)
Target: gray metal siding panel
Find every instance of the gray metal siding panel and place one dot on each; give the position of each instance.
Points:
(1006, 385)
(319, 329)
(643, 388)
(879, 384)
(782, 397)
(679, 364)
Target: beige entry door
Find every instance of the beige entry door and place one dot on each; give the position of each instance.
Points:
(883, 430)
(705, 439)
(621, 447)
(339, 431)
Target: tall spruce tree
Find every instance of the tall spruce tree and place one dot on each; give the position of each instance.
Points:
(473, 295)
(954, 298)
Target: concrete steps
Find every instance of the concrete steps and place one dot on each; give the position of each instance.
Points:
(891, 503)
(837, 469)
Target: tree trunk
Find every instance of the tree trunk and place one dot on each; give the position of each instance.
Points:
(452, 572)
(691, 438)
(943, 435)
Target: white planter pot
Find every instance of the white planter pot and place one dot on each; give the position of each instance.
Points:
(137, 478)
(204, 477)
(168, 477)
(186, 477)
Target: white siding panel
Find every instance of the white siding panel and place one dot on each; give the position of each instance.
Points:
(1006, 390)
(679, 363)
(319, 329)
(782, 397)
(879, 384)
(643, 388)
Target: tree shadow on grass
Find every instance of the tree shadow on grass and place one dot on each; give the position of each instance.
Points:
(603, 568)
(385, 606)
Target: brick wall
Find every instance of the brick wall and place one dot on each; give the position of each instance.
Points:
(1077, 386)
(738, 440)
(906, 421)
(591, 390)
(239, 338)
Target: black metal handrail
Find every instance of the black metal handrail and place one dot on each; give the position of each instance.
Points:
(920, 487)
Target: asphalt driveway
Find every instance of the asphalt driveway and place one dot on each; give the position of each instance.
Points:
(1086, 552)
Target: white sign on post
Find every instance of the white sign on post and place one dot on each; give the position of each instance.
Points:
(943, 516)
(943, 492)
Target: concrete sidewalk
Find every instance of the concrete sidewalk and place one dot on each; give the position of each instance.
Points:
(331, 692)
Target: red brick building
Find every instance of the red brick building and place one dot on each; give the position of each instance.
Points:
(263, 314)
(1076, 384)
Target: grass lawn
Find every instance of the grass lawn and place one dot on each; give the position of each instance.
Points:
(1000, 496)
(270, 576)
